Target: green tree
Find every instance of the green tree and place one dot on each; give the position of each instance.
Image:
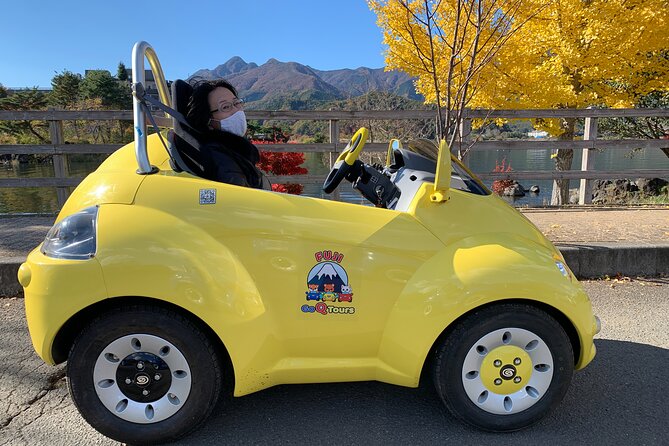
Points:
(25, 132)
(3, 91)
(384, 130)
(65, 89)
(642, 128)
(101, 84)
(122, 73)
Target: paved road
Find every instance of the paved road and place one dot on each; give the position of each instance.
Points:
(621, 398)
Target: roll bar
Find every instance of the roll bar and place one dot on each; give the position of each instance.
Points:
(140, 51)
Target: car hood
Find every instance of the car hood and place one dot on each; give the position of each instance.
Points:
(467, 216)
(116, 180)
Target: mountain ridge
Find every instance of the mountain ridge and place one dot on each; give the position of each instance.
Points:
(277, 81)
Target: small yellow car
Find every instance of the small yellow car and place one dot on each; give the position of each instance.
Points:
(163, 290)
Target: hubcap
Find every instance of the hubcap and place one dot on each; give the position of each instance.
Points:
(507, 371)
(142, 378)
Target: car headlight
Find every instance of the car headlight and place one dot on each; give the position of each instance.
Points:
(74, 237)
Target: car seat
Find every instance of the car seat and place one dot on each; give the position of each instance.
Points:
(184, 147)
(187, 152)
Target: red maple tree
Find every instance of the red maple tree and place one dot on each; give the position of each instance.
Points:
(281, 163)
(498, 186)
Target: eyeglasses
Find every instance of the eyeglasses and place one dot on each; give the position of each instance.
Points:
(227, 107)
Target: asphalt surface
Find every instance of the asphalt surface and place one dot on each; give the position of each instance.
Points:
(620, 398)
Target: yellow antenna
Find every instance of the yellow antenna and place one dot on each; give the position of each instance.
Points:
(442, 179)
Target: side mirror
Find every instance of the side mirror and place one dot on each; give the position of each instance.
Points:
(393, 145)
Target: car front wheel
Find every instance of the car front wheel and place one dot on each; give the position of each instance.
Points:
(143, 375)
(504, 367)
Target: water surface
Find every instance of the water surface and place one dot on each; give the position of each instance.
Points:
(15, 200)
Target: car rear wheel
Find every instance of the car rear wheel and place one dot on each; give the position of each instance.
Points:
(143, 375)
(504, 367)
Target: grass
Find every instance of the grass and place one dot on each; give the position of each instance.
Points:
(658, 199)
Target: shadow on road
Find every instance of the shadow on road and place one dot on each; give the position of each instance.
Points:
(621, 396)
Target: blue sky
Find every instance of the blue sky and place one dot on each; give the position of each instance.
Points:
(40, 38)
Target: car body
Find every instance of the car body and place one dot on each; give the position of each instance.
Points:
(234, 263)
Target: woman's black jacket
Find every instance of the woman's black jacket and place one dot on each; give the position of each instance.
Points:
(228, 158)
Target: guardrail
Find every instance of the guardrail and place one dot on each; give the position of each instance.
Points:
(61, 180)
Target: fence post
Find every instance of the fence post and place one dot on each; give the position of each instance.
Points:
(334, 139)
(587, 160)
(60, 167)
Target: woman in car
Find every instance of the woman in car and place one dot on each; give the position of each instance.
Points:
(216, 111)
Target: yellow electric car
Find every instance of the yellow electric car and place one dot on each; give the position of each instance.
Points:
(162, 290)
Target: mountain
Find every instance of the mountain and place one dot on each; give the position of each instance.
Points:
(363, 80)
(275, 78)
(233, 66)
(290, 85)
(327, 270)
(327, 274)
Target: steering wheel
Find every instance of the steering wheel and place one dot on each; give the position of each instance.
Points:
(346, 160)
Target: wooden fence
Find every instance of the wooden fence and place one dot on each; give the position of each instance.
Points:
(61, 181)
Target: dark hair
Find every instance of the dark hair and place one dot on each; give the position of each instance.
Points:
(198, 113)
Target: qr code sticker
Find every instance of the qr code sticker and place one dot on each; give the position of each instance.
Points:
(207, 196)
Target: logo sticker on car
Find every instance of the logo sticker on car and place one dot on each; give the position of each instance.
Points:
(207, 196)
(328, 286)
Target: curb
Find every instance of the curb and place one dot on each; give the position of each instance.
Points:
(9, 283)
(599, 259)
(586, 262)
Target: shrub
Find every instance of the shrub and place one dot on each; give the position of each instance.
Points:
(498, 186)
(280, 163)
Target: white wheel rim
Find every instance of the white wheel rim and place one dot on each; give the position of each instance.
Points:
(476, 371)
(123, 406)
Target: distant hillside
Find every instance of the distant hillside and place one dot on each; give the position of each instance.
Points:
(290, 85)
(364, 80)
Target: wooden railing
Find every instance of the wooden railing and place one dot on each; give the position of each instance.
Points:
(61, 181)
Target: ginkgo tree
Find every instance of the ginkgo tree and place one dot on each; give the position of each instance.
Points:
(447, 46)
(557, 54)
(581, 53)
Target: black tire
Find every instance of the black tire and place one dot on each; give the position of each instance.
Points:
(486, 336)
(203, 367)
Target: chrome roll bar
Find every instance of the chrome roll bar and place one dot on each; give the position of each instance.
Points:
(140, 51)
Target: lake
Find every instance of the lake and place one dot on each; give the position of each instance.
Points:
(16, 200)
(536, 160)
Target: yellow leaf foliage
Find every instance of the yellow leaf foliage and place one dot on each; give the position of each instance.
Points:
(578, 53)
(453, 38)
(571, 54)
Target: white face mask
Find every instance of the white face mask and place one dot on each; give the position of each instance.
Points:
(235, 123)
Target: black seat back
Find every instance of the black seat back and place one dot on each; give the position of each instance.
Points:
(184, 140)
(187, 151)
